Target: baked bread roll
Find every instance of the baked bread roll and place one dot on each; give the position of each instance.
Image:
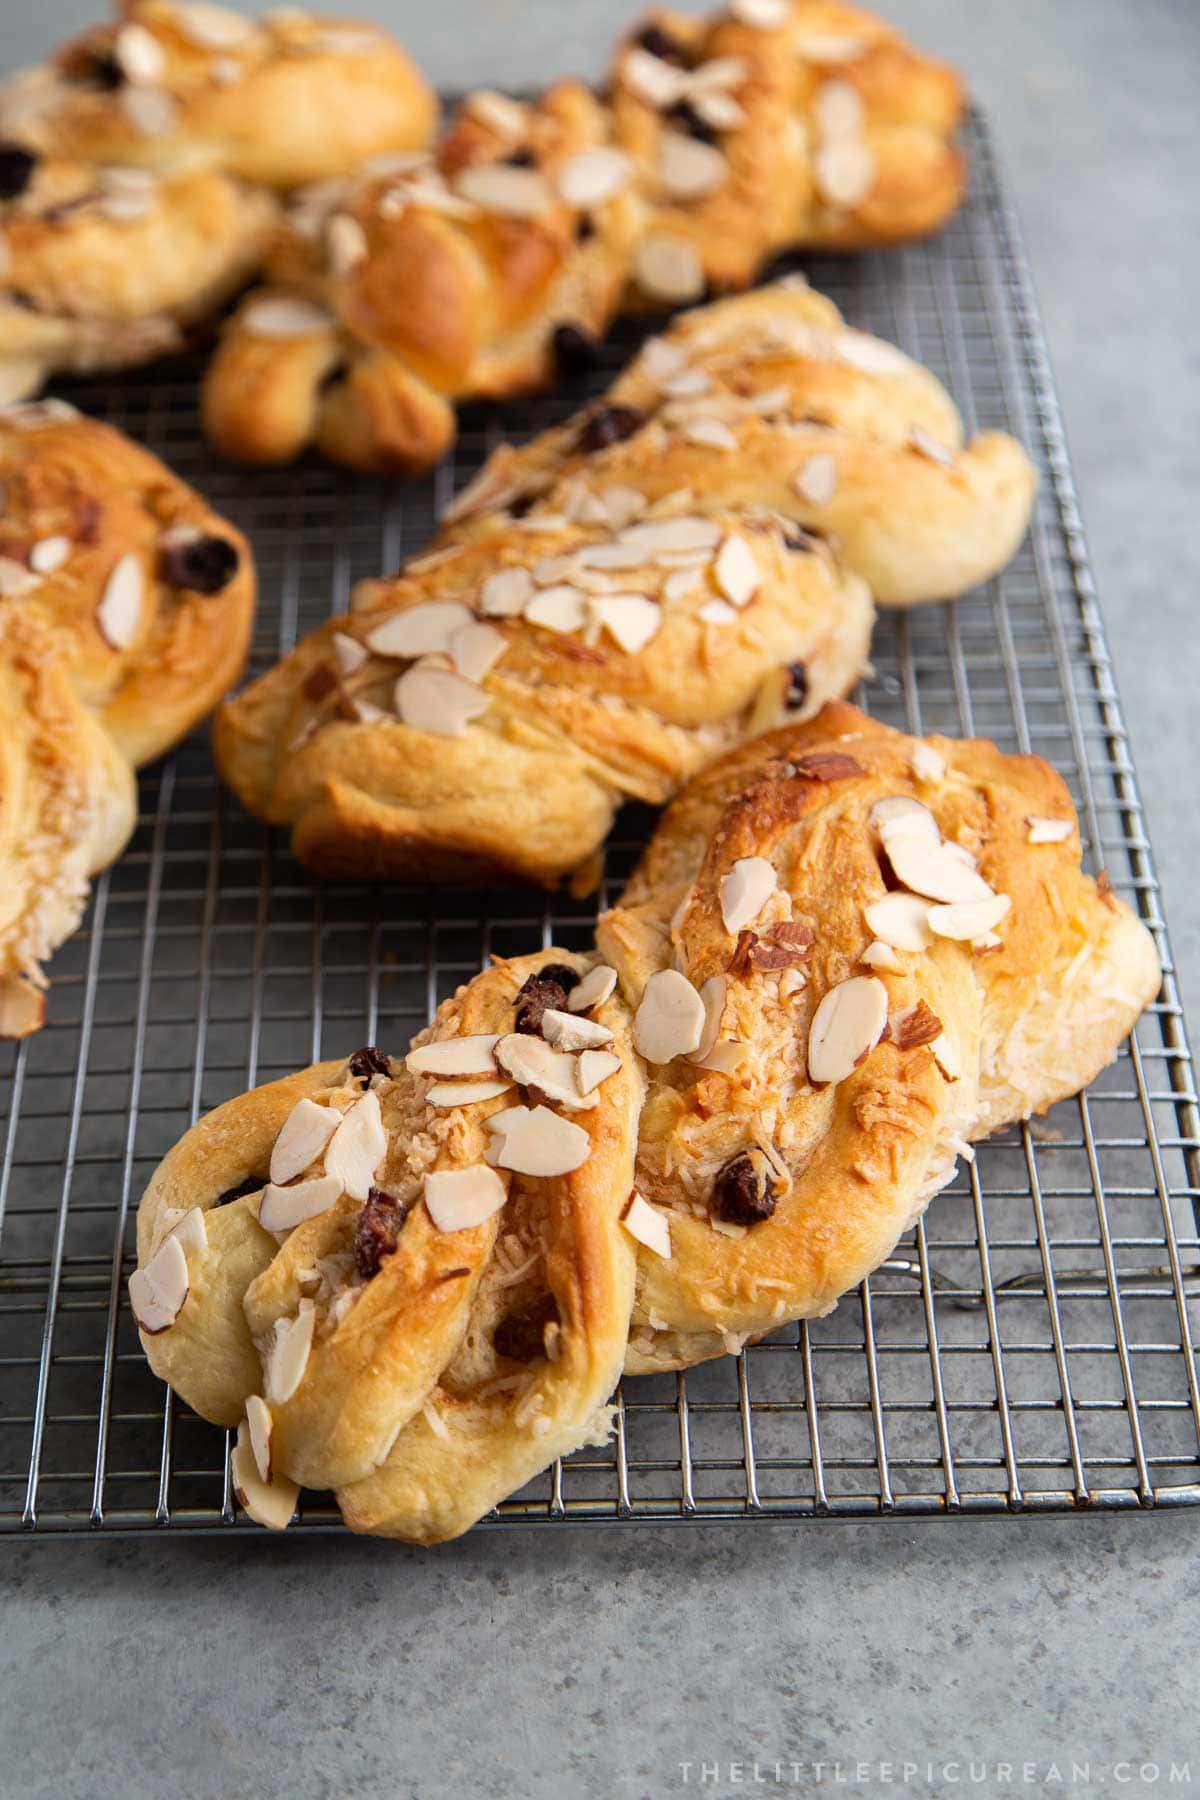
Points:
(484, 714)
(127, 605)
(105, 267)
(847, 953)
(168, 86)
(771, 400)
(500, 260)
(888, 949)
(408, 1279)
(396, 294)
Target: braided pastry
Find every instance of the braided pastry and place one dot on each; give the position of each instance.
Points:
(127, 607)
(847, 953)
(293, 99)
(892, 951)
(771, 400)
(486, 268)
(412, 1284)
(104, 267)
(486, 712)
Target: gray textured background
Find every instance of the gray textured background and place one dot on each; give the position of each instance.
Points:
(593, 1664)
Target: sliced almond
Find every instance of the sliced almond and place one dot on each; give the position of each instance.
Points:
(506, 593)
(269, 1503)
(901, 920)
(945, 1054)
(594, 989)
(349, 654)
(845, 170)
(717, 612)
(668, 268)
(649, 1226)
(718, 72)
(688, 384)
(630, 619)
(421, 631)
(49, 554)
(537, 1142)
(719, 109)
(724, 1058)
(191, 1230)
(713, 434)
(846, 1027)
(568, 1031)
(157, 1292)
(1049, 831)
(670, 1019)
(688, 167)
(839, 110)
(970, 919)
(283, 1208)
(500, 188)
(471, 1055)
(535, 1064)
(935, 870)
(287, 1354)
(664, 537)
(504, 116)
(592, 176)
(660, 84)
(881, 956)
(563, 609)
(457, 1199)
(828, 47)
(817, 480)
(593, 1067)
(764, 15)
(282, 317)
(928, 446)
(119, 613)
(302, 1137)
(465, 1093)
(475, 649)
(259, 1427)
(897, 812)
(357, 1147)
(928, 764)
(745, 891)
(141, 57)
(438, 701)
(713, 994)
(738, 574)
(346, 243)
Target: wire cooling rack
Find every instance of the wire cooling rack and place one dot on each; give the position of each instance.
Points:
(1028, 1348)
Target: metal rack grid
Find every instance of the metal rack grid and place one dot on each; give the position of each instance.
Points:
(1029, 1348)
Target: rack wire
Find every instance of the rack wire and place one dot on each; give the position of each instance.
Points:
(1030, 1345)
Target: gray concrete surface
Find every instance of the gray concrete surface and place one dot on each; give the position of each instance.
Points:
(598, 1664)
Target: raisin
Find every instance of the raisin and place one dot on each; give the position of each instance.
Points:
(251, 1185)
(319, 682)
(98, 68)
(16, 170)
(797, 685)
(203, 564)
(367, 1062)
(688, 119)
(801, 537)
(660, 43)
(585, 228)
(522, 1336)
(742, 1192)
(377, 1231)
(521, 159)
(609, 425)
(547, 989)
(575, 350)
(517, 509)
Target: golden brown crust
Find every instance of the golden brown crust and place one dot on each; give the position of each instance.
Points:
(1030, 1017)
(718, 143)
(772, 400)
(167, 86)
(140, 601)
(569, 723)
(433, 1384)
(101, 267)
